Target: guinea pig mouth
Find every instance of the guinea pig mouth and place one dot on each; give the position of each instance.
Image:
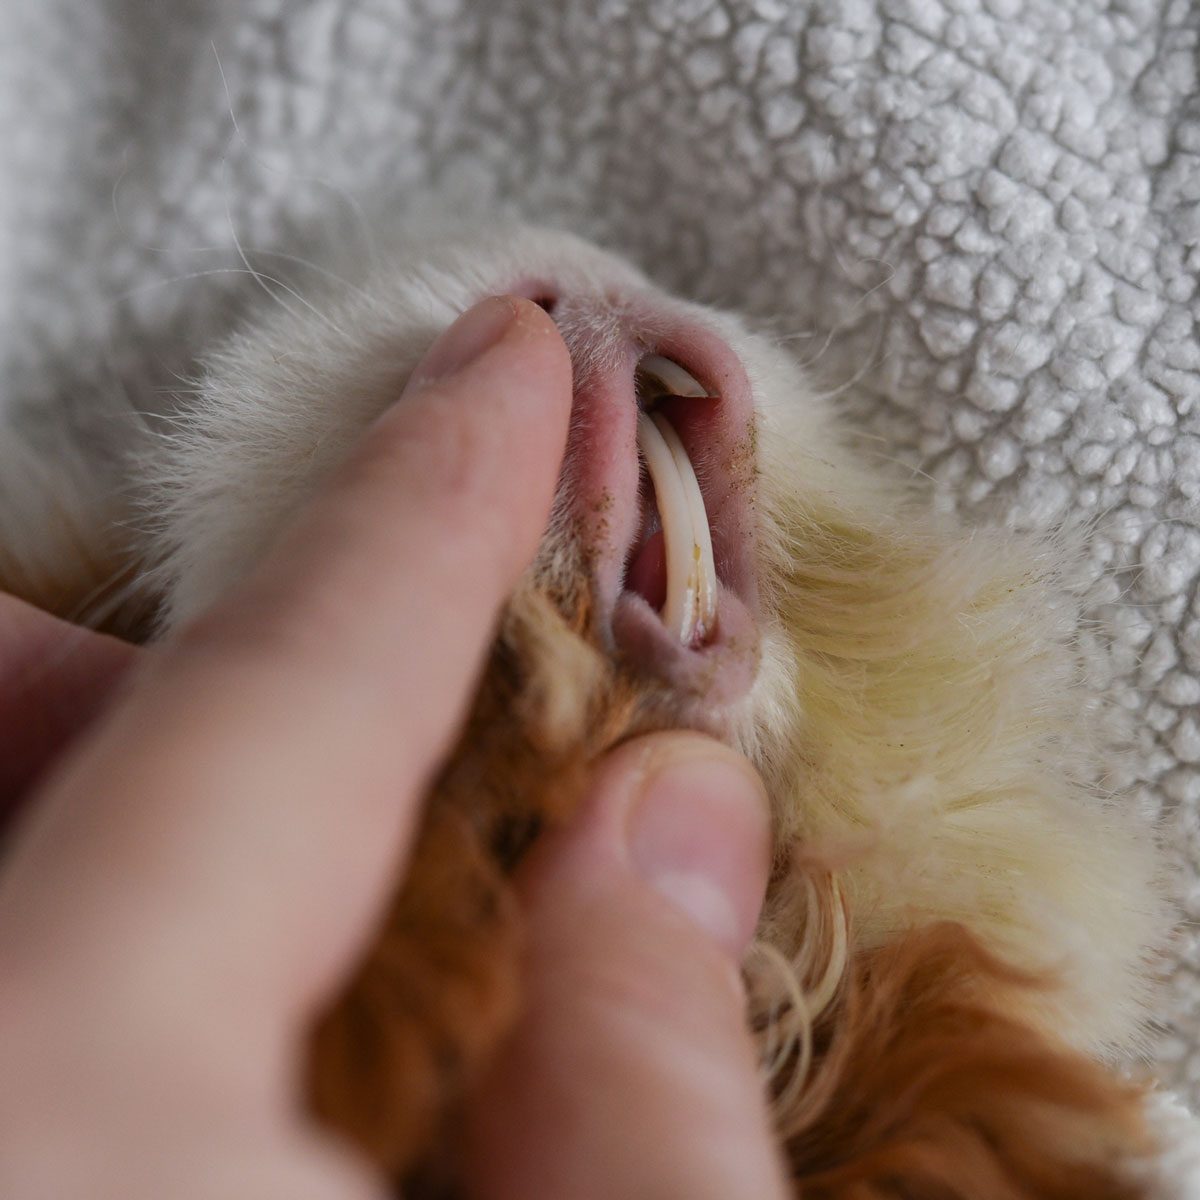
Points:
(671, 563)
(659, 477)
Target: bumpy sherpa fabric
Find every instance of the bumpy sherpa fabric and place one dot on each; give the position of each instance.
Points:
(985, 214)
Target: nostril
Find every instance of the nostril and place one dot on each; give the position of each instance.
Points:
(541, 292)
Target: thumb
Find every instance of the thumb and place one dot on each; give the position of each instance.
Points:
(631, 1072)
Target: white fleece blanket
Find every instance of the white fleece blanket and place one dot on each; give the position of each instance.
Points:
(986, 213)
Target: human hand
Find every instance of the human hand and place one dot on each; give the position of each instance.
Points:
(202, 863)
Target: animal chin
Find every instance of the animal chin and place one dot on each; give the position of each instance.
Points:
(659, 478)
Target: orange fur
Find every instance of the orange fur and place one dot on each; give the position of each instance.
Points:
(439, 986)
(434, 996)
(927, 1085)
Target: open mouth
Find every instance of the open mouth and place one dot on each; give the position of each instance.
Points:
(671, 564)
(659, 478)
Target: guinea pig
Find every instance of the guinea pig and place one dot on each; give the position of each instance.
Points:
(953, 964)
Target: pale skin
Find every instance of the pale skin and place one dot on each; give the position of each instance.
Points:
(208, 831)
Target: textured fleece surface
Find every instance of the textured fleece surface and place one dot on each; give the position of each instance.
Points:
(985, 213)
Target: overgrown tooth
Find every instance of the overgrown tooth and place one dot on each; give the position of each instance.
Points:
(703, 577)
(679, 609)
(674, 379)
(691, 604)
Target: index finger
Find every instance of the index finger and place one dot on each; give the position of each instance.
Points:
(235, 824)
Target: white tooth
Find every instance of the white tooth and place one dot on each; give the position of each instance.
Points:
(703, 577)
(672, 376)
(691, 605)
(680, 607)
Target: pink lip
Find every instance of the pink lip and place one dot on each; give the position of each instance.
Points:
(607, 338)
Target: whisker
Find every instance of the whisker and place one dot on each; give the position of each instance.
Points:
(870, 363)
(174, 279)
(264, 280)
(342, 194)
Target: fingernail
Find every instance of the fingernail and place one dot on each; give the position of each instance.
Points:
(699, 833)
(475, 332)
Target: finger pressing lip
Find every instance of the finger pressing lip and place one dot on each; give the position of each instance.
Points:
(237, 823)
(391, 581)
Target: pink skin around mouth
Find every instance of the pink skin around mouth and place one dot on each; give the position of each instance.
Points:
(602, 472)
